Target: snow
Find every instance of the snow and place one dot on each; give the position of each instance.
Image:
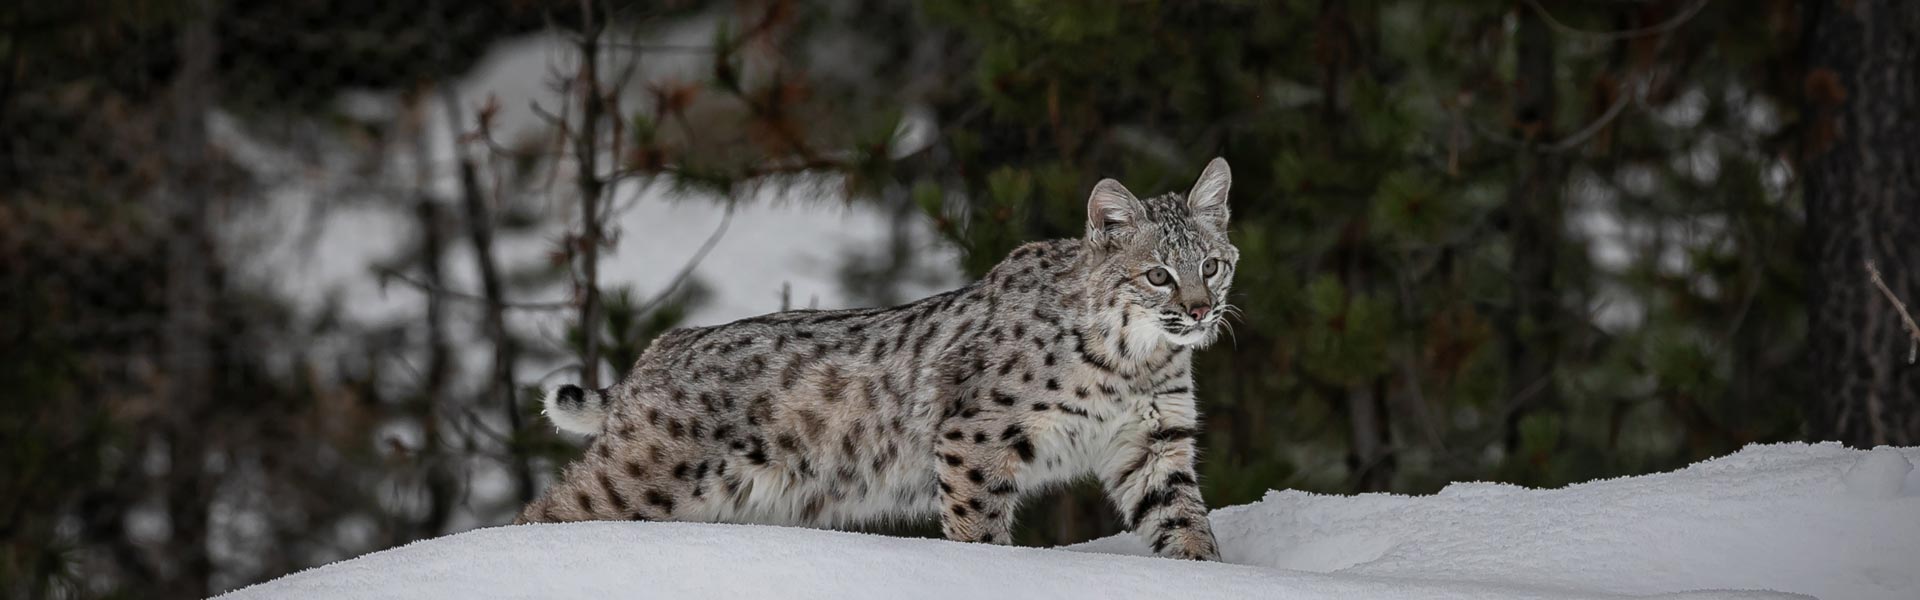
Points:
(1781, 517)
(1773, 521)
(1880, 475)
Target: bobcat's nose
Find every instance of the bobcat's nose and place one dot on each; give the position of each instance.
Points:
(1199, 311)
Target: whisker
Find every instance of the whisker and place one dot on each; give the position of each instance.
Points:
(1229, 310)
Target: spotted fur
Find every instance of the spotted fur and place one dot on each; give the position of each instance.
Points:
(1072, 357)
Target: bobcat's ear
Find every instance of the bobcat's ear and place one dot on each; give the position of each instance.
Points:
(1208, 200)
(1110, 210)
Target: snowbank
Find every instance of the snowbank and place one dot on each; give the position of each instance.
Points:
(1823, 520)
(1775, 520)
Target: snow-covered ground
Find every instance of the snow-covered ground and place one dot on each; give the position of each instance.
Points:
(1767, 522)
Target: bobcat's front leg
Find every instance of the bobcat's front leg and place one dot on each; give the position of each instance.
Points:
(1155, 490)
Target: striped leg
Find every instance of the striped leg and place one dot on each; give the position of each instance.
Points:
(1155, 490)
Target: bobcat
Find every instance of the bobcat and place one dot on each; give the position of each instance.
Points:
(1071, 357)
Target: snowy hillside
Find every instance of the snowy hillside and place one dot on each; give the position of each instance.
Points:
(1774, 521)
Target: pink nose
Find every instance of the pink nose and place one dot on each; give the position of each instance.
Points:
(1199, 311)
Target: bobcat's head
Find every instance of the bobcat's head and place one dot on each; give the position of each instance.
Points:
(1163, 265)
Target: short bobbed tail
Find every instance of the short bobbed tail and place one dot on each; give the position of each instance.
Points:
(577, 409)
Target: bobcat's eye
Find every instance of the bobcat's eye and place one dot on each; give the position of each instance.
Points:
(1159, 276)
(1210, 267)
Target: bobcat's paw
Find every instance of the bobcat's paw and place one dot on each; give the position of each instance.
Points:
(1188, 545)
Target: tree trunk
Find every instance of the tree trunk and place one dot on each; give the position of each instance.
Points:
(1534, 221)
(1368, 454)
(190, 297)
(587, 156)
(435, 452)
(1862, 139)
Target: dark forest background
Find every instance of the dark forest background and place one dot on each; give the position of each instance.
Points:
(1532, 241)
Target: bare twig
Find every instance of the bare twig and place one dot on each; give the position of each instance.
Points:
(1623, 34)
(686, 271)
(558, 122)
(662, 48)
(438, 290)
(1637, 89)
(766, 169)
(1913, 331)
(1635, 93)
